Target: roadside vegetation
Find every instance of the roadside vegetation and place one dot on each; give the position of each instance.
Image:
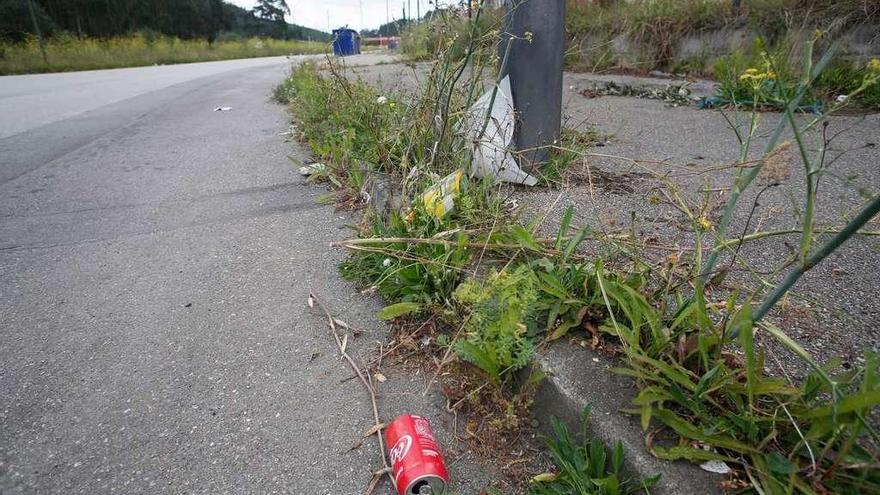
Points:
(644, 36)
(492, 290)
(67, 53)
(66, 35)
(651, 35)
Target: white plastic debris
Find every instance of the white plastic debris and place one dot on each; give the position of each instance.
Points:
(718, 467)
(312, 168)
(491, 156)
(842, 98)
(222, 109)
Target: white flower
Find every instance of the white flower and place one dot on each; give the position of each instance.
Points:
(386, 262)
(381, 100)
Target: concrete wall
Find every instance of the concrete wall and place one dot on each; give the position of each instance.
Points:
(860, 42)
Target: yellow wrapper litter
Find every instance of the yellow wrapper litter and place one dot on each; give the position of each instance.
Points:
(439, 199)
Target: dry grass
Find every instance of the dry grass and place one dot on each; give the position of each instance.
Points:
(657, 27)
(66, 53)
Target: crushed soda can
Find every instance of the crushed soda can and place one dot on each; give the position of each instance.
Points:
(439, 199)
(416, 462)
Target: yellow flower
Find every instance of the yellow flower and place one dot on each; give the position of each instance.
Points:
(752, 74)
(874, 65)
(748, 74)
(704, 223)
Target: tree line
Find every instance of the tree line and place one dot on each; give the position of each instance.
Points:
(206, 19)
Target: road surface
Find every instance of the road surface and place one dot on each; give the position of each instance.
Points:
(155, 259)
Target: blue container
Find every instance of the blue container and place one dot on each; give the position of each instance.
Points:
(346, 42)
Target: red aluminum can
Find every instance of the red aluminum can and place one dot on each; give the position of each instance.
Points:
(416, 462)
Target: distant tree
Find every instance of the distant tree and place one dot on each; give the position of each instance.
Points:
(204, 19)
(15, 20)
(273, 11)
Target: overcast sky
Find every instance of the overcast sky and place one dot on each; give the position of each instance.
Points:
(314, 13)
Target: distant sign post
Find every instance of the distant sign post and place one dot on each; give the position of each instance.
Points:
(535, 70)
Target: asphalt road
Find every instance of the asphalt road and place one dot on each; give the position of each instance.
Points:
(155, 259)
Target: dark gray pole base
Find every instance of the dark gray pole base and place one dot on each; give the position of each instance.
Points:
(535, 71)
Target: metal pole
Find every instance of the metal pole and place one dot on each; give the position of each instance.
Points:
(418, 10)
(535, 70)
(39, 33)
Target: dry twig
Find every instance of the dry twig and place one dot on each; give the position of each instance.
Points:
(341, 343)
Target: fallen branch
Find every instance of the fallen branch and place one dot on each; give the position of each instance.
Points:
(361, 244)
(348, 243)
(377, 425)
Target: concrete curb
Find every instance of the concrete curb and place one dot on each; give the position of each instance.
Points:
(574, 380)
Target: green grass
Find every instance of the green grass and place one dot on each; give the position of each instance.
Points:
(584, 466)
(67, 53)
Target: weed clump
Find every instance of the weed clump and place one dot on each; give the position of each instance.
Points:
(585, 468)
(495, 338)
